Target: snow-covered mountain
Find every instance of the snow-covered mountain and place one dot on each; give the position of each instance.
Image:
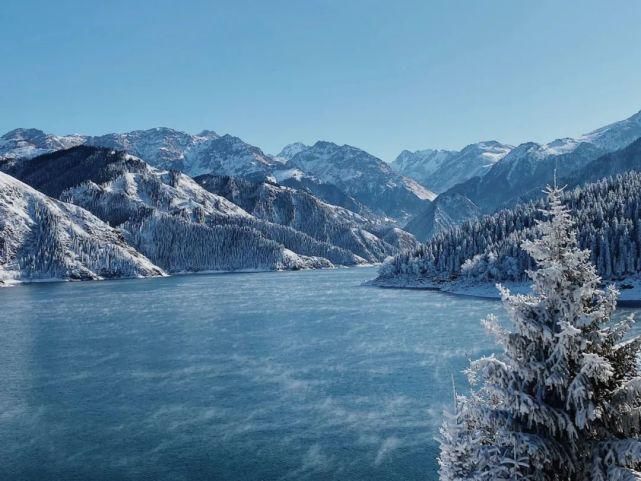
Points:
(44, 239)
(615, 135)
(365, 177)
(611, 164)
(304, 212)
(161, 147)
(124, 191)
(291, 150)
(442, 169)
(28, 143)
(420, 164)
(522, 173)
(194, 155)
(349, 174)
(447, 211)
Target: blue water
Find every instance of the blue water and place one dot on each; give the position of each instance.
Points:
(270, 376)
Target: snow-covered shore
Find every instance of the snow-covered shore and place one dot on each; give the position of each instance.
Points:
(629, 288)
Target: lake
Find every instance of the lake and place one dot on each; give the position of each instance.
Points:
(261, 376)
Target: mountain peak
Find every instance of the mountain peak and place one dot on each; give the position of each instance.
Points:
(23, 134)
(616, 135)
(210, 134)
(290, 150)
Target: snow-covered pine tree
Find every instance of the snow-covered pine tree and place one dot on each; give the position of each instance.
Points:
(563, 400)
(458, 442)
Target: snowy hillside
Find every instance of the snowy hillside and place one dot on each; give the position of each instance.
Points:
(123, 190)
(487, 250)
(613, 163)
(522, 173)
(526, 169)
(442, 169)
(45, 239)
(28, 143)
(615, 135)
(291, 150)
(361, 175)
(305, 213)
(192, 154)
(447, 211)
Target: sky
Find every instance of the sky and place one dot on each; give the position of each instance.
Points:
(380, 75)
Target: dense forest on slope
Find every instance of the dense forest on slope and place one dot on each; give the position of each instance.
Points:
(43, 238)
(608, 221)
(125, 192)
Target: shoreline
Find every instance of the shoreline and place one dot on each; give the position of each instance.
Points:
(628, 296)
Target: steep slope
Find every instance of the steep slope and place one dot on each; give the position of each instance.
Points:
(442, 169)
(194, 155)
(303, 212)
(45, 239)
(290, 150)
(328, 193)
(607, 218)
(421, 164)
(361, 175)
(161, 147)
(447, 211)
(28, 143)
(616, 135)
(618, 162)
(124, 190)
(522, 173)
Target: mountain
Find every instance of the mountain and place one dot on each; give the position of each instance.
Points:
(125, 191)
(526, 169)
(445, 212)
(366, 178)
(305, 213)
(615, 135)
(420, 164)
(607, 217)
(44, 239)
(28, 143)
(353, 179)
(291, 150)
(442, 169)
(613, 163)
(326, 192)
(192, 154)
(161, 147)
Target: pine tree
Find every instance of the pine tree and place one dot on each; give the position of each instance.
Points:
(459, 442)
(563, 400)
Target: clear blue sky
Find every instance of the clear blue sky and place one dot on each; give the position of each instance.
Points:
(381, 75)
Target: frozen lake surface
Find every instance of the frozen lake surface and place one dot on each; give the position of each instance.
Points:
(264, 376)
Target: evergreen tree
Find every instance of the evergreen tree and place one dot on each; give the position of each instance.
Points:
(488, 249)
(563, 400)
(459, 442)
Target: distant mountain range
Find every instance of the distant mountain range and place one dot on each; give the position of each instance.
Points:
(180, 225)
(167, 201)
(360, 178)
(523, 171)
(442, 169)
